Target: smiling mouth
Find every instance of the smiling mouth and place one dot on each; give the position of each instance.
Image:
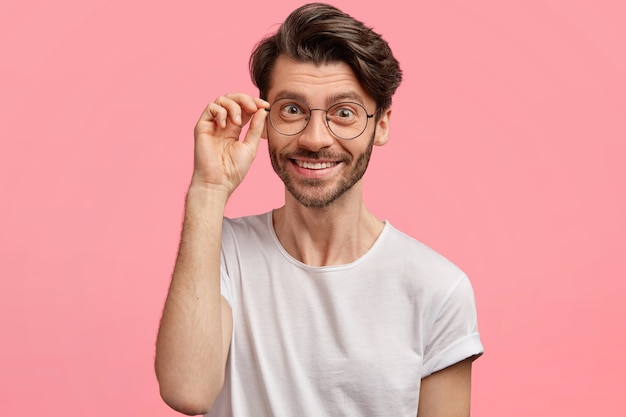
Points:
(314, 165)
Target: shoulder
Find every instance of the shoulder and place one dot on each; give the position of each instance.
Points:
(247, 234)
(407, 252)
(248, 225)
(431, 279)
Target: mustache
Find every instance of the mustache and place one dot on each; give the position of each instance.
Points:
(319, 155)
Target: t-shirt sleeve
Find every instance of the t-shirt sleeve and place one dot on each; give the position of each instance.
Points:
(454, 335)
(225, 288)
(225, 285)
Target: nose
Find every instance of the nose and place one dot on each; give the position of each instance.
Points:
(316, 134)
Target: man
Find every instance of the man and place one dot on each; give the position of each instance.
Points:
(316, 308)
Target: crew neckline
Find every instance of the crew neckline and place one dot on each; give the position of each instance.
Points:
(270, 225)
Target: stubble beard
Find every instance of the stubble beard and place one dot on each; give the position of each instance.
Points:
(310, 192)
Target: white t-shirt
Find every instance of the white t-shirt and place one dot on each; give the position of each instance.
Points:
(348, 340)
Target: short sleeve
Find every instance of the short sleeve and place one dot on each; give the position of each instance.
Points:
(454, 334)
(225, 289)
(225, 285)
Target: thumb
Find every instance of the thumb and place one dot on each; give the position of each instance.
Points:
(255, 129)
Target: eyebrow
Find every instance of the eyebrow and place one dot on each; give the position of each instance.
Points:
(332, 99)
(291, 95)
(349, 95)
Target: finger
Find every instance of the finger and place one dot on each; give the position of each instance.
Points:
(241, 106)
(251, 106)
(236, 107)
(257, 123)
(232, 109)
(246, 101)
(261, 104)
(216, 113)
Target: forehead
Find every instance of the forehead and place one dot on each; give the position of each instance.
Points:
(317, 84)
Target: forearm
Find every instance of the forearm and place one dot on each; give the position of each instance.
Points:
(195, 330)
(190, 353)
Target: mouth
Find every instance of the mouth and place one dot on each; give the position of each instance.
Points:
(314, 165)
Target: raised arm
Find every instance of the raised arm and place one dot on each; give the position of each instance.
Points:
(196, 326)
(446, 393)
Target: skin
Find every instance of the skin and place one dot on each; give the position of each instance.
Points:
(447, 393)
(324, 221)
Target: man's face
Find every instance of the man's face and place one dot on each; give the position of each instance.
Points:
(316, 167)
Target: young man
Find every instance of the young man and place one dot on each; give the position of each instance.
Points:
(316, 308)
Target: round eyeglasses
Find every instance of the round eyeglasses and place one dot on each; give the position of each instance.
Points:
(346, 120)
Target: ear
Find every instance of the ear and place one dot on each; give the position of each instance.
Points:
(382, 128)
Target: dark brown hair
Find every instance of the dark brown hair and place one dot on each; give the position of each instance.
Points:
(320, 33)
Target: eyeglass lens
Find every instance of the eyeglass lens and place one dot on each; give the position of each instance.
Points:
(346, 120)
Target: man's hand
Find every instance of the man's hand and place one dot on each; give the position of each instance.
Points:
(221, 160)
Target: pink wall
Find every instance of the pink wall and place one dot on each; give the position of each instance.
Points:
(508, 141)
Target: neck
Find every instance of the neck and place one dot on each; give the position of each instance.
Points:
(334, 235)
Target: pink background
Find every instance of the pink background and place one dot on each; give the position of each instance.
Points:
(507, 149)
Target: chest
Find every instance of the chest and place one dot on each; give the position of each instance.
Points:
(341, 336)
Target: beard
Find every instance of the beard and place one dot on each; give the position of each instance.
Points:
(319, 193)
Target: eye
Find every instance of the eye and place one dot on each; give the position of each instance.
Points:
(344, 113)
(291, 109)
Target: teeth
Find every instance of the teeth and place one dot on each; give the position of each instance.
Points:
(315, 165)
